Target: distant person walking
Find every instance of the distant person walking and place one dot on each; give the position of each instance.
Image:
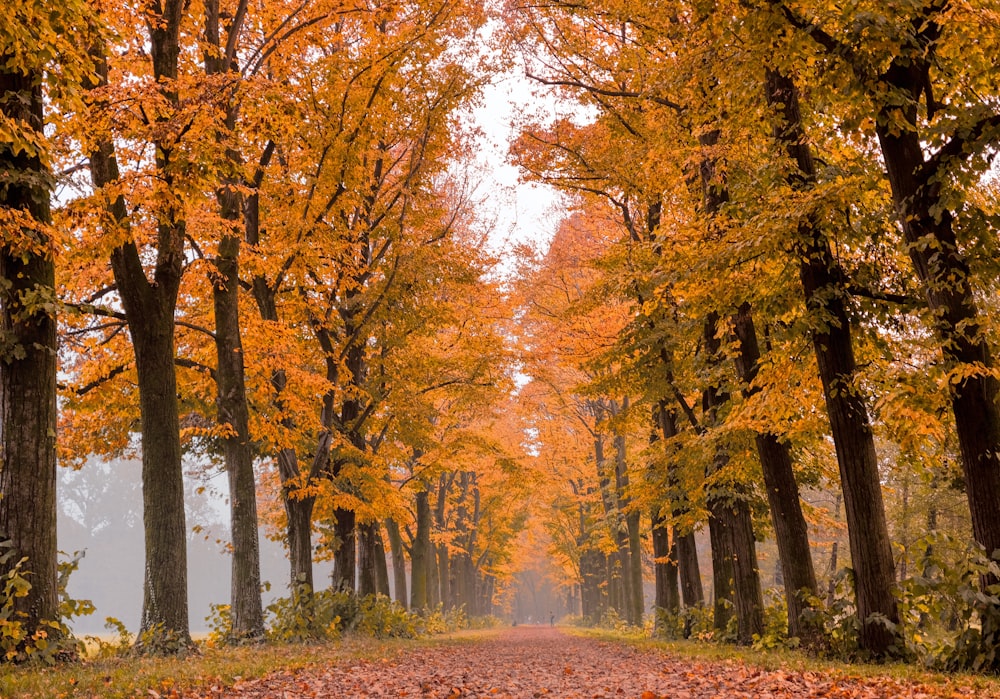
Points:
(552, 619)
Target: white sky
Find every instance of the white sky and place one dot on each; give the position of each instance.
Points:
(524, 213)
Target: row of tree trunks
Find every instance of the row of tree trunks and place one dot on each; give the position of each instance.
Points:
(919, 179)
(593, 583)
(628, 531)
(624, 566)
(445, 574)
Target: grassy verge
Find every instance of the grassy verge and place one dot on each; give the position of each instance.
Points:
(121, 678)
(966, 685)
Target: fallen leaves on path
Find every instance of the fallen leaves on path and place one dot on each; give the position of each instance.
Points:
(532, 662)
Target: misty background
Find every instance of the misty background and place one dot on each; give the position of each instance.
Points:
(100, 513)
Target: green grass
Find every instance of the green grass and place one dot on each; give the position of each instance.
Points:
(961, 684)
(119, 678)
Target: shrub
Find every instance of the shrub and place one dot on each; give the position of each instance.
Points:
(775, 634)
(948, 621)
(51, 640)
(440, 620)
(307, 616)
(381, 617)
(120, 646)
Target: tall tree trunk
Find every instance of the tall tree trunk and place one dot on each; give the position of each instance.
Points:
(381, 568)
(441, 554)
(345, 557)
(667, 591)
(433, 577)
(232, 410)
(730, 524)
(165, 588)
(689, 572)
(231, 401)
(617, 564)
(298, 512)
(790, 530)
(449, 592)
(637, 602)
(628, 526)
(665, 566)
(591, 590)
(736, 579)
(298, 509)
(149, 307)
(231, 397)
(692, 591)
(822, 284)
(723, 607)
(918, 191)
(369, 551)
(345, 572)
(398, 563)
(420, 555)
(28, 356)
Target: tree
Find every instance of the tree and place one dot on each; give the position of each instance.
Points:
(923, 96)
(149, 299)
(231, 392)
(28, 316)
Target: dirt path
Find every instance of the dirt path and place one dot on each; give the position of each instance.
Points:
(542, 662)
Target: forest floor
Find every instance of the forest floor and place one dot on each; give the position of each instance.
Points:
(533, 661)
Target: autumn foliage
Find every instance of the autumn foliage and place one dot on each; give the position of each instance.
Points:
(757, 350)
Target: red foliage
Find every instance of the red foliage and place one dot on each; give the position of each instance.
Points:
(528, 662)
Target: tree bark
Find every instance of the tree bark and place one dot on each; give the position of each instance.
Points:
(149, 308)
(398, 563)
(667, 591)
(689, 572)
(27, 360)
(345, 571)
(441, 554)
(371, 573)
(665, 566)
(790, 531)
(692, 591)
(298, 510)
(928, 228)
(723, 607)
(381, 568)
(592, 591)
(730, 524)
(629, 522)
(231, 396)
(822, 284)
(448, 590)
(420, 555)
